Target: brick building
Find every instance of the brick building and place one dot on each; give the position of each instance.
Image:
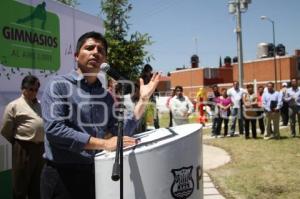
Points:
(164, 85)
(261, 70)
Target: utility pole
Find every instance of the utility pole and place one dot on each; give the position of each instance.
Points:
(236, 7)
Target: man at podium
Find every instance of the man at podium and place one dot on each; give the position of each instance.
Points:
(78, 113)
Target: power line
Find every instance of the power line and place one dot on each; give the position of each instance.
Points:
(162, 6)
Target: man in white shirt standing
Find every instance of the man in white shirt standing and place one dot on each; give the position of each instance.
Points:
(236, 93)
(293, 98)
(181, 107)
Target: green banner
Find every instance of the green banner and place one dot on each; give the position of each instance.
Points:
(30, 36)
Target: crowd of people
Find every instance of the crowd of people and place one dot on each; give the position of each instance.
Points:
(267, 106)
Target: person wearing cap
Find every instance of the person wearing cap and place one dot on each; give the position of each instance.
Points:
(293, 98)
(284, 111)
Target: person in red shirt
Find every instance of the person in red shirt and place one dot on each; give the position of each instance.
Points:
(260, 114)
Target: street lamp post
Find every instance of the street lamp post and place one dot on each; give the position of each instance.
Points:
(274, 49)
(236, 7)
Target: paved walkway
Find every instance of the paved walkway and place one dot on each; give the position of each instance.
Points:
(213, 157)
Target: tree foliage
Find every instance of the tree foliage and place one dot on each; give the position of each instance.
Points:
(125, 52)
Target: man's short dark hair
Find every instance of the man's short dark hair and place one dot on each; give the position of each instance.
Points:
(261, 87)
(250, 86)
(214, 86)
(147, 68)
(29, 81)
(179, 88)
(95, 35)
(271, 83)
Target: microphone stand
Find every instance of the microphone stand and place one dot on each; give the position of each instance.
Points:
(117, 172)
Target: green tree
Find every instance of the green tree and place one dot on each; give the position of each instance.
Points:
(125, 52)
(71, 3)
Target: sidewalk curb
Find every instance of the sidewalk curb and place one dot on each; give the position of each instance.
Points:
(213, 157)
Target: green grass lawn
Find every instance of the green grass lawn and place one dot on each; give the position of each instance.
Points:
(164, 119)
(259, 169)
(266, 169)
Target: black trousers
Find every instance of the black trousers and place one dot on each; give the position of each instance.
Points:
(253, 127)
(261, 122)
(284, 112)
(67, 181)
(219, 128)
(170, 119)
(27, 163)
(215, 126)
(156, 119)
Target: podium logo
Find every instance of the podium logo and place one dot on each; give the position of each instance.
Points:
(30, 36)
(183, 185)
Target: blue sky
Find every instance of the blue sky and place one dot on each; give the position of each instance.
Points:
(181, 28)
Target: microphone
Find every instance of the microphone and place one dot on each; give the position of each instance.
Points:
(126, 85)
(113, 73)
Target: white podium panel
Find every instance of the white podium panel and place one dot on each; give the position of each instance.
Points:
(166, 164)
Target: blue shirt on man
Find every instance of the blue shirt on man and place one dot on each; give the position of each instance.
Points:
(268, 98)
(73, 111)
(293, 96)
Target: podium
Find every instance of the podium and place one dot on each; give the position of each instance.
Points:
(166, 164)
